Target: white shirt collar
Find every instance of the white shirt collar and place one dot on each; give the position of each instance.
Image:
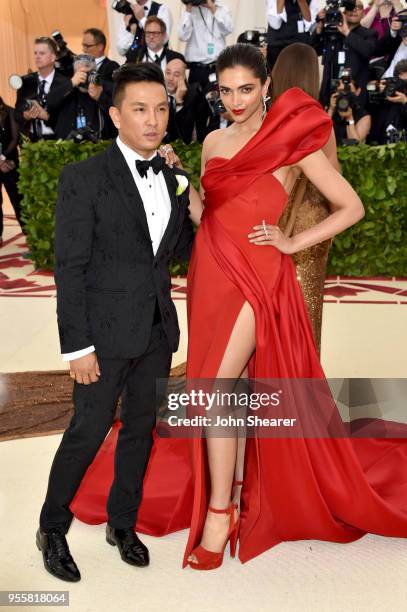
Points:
(47, 79)
(151, 53)
(129, 155)
(99, 60)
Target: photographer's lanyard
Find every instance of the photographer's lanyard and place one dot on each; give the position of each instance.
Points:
(211, 44)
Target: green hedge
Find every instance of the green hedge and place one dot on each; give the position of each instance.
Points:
(375, 246)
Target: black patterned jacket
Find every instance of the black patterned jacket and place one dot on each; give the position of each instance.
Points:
(107, 277)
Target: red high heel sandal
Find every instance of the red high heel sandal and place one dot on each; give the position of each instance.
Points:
(206, 559)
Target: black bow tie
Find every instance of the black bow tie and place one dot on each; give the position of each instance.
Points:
(142, 165)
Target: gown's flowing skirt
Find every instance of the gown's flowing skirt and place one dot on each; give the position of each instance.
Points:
(334, 489)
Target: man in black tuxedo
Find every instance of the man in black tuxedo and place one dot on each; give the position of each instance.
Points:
(45, 90)
(119, 222)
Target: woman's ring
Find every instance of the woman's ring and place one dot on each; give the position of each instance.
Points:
(265, 229)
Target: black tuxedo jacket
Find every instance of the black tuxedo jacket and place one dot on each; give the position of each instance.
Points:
(105, 70)
(55, 98)
(181, 123)
(169, 55)
(108, 279)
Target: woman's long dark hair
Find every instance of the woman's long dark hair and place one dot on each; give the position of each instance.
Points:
(296, 66)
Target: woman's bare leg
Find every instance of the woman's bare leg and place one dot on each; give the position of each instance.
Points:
(223, 452)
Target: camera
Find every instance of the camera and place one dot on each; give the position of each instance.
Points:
(253, 37)
(28, 103)
(334, 14)
(394, 135)
(212, 96)
(85, 134)
(194, 2)
(88, 63)
(123, 6)
(65, 57)
(393, 84)
(346, 98)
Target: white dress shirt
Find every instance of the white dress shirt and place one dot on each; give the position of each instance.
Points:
(125, 38)
(276, 19)
(401, 54)
(201, 29)
(99, 60)
(45, 129)
(149, 56)
(157, 205)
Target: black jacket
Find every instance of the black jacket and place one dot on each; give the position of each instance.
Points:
(105, 70)
(107, 277)
(359, 46)
(182, 122)
(55, 98)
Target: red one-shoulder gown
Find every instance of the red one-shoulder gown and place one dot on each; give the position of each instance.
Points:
(336, 489)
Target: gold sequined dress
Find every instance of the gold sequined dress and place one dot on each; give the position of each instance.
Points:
(305, 208)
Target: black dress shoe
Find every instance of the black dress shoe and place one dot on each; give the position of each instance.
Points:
(131, 549)
(57, 558)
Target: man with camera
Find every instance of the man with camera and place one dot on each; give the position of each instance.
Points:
(289, 22)
(204, 26)
(351, 121)
(84, 113)
(388, 100)
(342, 41)
(131, 39)
(400, 32)
(156, 50)
(41, 95)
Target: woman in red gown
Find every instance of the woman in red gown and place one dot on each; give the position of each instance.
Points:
(246, 315)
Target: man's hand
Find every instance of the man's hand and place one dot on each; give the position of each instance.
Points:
(320, 23)
(398, 98)
(95, 91)
(6, 165)
(395, 24)
(332, 101)
(343, 28)
(181, 91)
(210, 4)
(138, 11)
(85, 370)
(34, 112)
(79, 77)
(346, 114)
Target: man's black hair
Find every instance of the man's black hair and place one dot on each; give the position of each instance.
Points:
(400, 67)
(98, 36)
(143, 72)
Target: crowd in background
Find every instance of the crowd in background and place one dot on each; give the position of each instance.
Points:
(364, 72)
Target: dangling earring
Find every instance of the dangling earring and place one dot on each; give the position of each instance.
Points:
(265, 100)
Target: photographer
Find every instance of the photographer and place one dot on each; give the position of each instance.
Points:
(204, 27)
(131, 35)
(186, 103)
(351, 121)
(9, 162)
(83, 114)
(289, 21)
(342, 41)
(401, 52)
(389, 107)
(40, 98)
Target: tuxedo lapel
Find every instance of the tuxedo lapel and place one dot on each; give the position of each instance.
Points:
(126, 186)
(172, 184)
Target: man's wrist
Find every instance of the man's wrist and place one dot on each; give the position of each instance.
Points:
(351, 122)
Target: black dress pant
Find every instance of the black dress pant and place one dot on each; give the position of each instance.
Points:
(94, 412)
(10, 181)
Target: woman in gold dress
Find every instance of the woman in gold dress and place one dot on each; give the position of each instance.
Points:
(297, 66)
